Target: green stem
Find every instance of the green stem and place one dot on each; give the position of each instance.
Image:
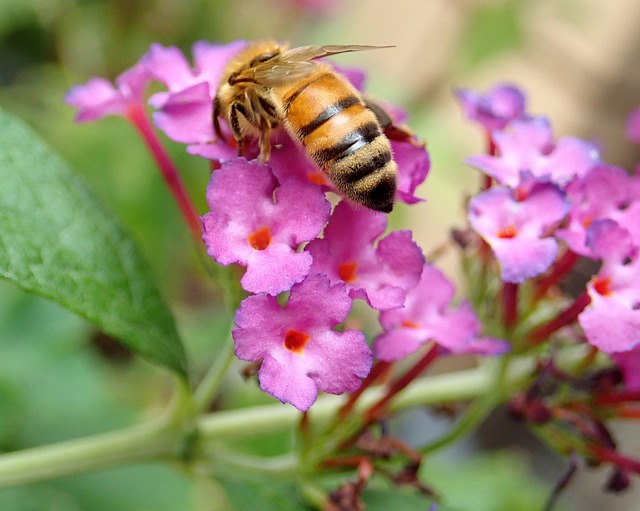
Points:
(165, 437)
(208, 387)
(157, 439)
(480, 409)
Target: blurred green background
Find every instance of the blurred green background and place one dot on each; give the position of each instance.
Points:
(59, 379)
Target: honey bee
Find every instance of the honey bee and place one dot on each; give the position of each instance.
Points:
(269, 85)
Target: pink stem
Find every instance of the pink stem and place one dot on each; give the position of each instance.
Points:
(566, 317)
(167, 169)
(374, 412)
(560, 269)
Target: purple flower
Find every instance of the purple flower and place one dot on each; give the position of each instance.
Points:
(185, 111)
(612, 321)
(98, 97)
(517, 228)
(300, 352)
(632, 128)
(413, 166)
(259, 224)
(604, 192)
(495, 109)
(528, 150)
(629, 364)
(428, 315)
(380, 275)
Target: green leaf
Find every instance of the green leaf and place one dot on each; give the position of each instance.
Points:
(246, 492)
(58, 242)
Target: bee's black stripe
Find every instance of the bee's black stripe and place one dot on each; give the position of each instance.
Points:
(353, 141)
(267, 106)
(328, 113)
(292, 98)
(360, 171)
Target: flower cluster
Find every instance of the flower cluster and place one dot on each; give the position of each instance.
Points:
(547, 203)
(551, 196)
(274, 219)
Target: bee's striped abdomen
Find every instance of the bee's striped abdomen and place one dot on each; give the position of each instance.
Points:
(329, 118)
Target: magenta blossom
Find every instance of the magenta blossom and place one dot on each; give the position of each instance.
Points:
(605, 192)
(517, 228)
(300, 352)
(529, 150)
(612, 321)
(381, 275)
(428, 315)
(632, 128)
(98, 97)
(629, 364)
(259, 224)
(185, 111)
(495, 109)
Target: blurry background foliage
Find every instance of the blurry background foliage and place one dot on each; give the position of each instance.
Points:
(579, 61)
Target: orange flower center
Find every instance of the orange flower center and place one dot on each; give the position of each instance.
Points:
(409, 324)
(317, 178)
(347, 271)
(296, 341)
(602, 286)
(260, 238)
(508, 232)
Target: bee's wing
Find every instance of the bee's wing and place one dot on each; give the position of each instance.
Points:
(297, 63)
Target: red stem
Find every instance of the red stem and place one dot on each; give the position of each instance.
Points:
(510, 303)
(374, 412)
(611, 398)
(611, 456)
(378, 370)
(167, 169)
(566, 317)
(563, 266)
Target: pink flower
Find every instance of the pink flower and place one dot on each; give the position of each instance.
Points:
(629, 364)
(529, 150)
(428, 315)
(98, 97)
(612, 321)
(300, 352)
(632, 128)
(495, 109)
(185, 111)
(381, 275)
(604, 192)
(259, 224)
(413, 166)
(517, 228)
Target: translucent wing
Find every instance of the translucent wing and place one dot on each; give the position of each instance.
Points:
(295, 63)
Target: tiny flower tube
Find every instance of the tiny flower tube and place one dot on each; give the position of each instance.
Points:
(300, 351)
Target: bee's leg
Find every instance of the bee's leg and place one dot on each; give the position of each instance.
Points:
(237, 109)
(265, 142)
(264, 117)
(216, 119)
